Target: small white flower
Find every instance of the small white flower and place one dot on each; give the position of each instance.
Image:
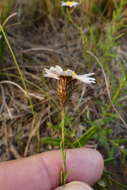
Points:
(69, 4)
(56, 72)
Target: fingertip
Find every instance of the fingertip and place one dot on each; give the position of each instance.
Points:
(74, 186)
(98, 166)
(85, 165)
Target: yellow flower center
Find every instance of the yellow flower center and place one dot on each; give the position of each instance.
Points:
(74, 75)
(69, 3)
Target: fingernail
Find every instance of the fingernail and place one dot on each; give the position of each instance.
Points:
(74, 186)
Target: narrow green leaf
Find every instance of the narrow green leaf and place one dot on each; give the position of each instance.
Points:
(54, 141)
(86, 136)
(51, 141)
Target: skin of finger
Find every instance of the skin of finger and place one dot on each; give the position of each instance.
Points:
(74, 186)
(89, 164)
(42, 172)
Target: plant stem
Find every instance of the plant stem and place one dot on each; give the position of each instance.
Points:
(62, 146)
(17, 66)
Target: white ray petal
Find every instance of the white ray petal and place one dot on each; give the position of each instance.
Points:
(63, 3)
(51, 75)
(59, 68)
(89, 74)
(47, 70)
(85, 79)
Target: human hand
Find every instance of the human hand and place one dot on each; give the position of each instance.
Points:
(42, 171)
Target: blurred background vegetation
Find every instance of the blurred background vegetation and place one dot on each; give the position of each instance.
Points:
(88, 38)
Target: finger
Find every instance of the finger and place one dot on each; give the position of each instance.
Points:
(43, 171)
(74, 186)
(86, 166)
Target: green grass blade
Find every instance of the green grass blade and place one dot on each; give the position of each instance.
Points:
(85, 137)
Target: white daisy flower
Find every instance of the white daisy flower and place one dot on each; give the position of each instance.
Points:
(57, 72)
(69, 4)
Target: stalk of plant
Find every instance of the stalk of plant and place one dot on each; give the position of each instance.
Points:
(69, 8)
(65, 81)
(15, 62)
(62, 147)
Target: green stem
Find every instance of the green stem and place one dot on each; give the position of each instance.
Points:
(17, 66)
(62, 146)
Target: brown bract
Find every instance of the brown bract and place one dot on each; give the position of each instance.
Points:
(64, 88)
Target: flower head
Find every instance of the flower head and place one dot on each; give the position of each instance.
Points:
(65, 81)
(57, 72)
(69, 4)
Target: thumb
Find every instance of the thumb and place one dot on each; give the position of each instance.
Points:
(74, 186)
